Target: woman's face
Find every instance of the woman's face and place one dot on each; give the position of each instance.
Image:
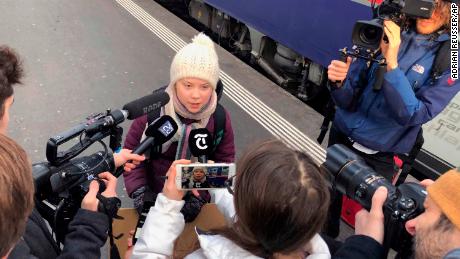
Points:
(193, 93)
(198, 175)
(435, 22)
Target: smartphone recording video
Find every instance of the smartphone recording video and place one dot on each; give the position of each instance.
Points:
(204, 176)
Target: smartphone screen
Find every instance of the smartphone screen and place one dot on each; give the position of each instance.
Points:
(205, 176)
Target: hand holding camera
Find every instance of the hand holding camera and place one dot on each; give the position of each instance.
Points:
(90, 201)
(337, 70)
(372, 223)
(390, 47)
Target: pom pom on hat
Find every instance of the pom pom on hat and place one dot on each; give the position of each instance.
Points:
(197, 59)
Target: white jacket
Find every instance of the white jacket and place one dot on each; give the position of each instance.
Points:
(164, 224)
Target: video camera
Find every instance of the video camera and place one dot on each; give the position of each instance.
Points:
(63, 181)
(354, 178)
(368, 34)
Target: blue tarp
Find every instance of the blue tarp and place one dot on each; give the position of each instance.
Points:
(316, 29)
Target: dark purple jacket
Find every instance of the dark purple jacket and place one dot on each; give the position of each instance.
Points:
(225, 153)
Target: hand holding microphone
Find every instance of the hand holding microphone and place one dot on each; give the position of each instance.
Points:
(160, 131)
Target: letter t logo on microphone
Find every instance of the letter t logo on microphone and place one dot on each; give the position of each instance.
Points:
(200, 142)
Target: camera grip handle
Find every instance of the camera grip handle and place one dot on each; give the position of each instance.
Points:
(343, 58)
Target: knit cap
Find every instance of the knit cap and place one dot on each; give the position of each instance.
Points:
(197, 59)
(199, 168)
(445, 192)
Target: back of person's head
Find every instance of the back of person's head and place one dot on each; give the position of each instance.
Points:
(16, 192)
(281, 200)
(11, 73)
(197, 59)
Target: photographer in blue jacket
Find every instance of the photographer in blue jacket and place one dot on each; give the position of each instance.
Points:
(380, 124)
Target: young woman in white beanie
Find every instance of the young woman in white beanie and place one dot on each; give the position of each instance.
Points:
(194, 75)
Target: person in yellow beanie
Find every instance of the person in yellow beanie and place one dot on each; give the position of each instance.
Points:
(437, 230)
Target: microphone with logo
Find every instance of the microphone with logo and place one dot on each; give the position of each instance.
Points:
(160, 131)
(130, 111)
(200, 143)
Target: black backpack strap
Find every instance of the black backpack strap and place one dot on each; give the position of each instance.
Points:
(220, 118)
(328, 117)
(409, 159)
(441, 61)
(219, 89)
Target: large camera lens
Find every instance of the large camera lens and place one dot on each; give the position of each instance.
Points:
(370, 35)
(353, 177)
(367, 34)
(359, 182)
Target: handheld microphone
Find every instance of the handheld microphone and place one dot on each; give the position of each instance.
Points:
(200, 143)
(160, 131)
(130, 111)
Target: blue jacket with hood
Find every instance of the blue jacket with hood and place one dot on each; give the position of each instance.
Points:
(390, 119)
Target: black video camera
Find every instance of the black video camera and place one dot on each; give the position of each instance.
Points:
(367, 35)
(354, 178)
(63, 181)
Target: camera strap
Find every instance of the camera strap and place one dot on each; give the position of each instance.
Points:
(110, 206)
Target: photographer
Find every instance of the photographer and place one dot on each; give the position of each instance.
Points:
(87, 232)
(276, 209)
(437, 230)
(378, 124)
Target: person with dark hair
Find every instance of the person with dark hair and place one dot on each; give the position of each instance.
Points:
(24, 232)
(279, 203)
(11, 73)
(379, 124)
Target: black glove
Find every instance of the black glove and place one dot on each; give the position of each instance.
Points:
(192, 206)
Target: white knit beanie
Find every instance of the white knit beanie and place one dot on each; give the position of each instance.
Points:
(197, 59)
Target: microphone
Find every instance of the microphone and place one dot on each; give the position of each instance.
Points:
(146, 104)
(130, 111)
(158, 132)
(200, 143)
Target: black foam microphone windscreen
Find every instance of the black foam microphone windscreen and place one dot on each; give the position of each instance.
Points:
(146, 104)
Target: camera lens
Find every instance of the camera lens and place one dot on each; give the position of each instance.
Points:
(367, 34)
(370, 35)
(359, 182)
